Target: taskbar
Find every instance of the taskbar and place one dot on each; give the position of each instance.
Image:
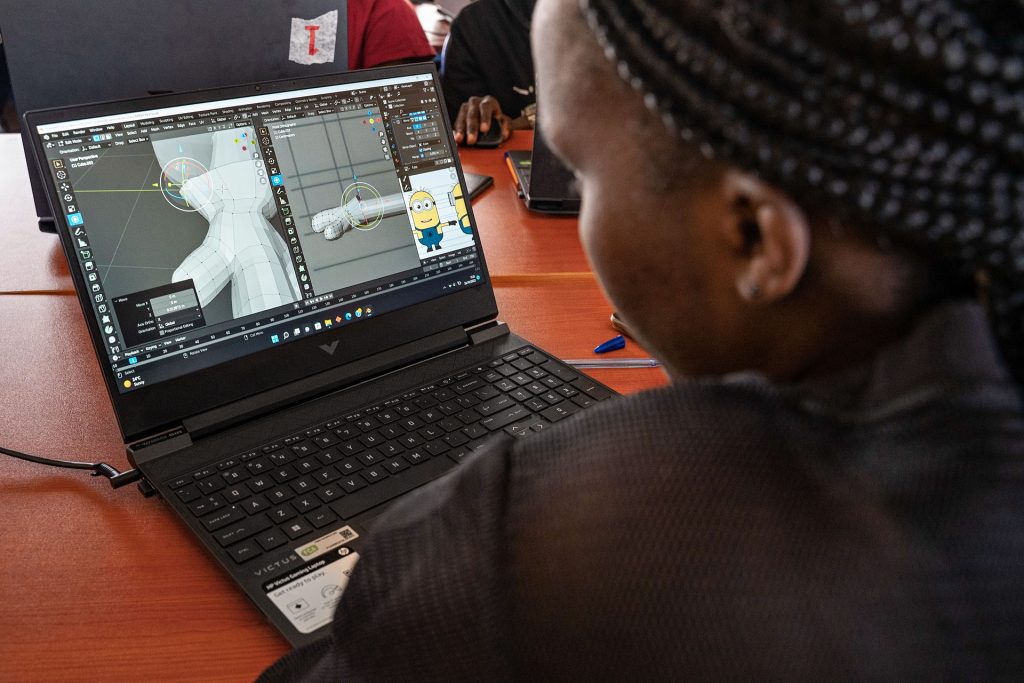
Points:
(315, 316)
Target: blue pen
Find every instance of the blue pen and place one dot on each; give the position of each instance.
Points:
(613, 344)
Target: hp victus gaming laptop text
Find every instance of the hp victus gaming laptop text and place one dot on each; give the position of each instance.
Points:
(287, 294)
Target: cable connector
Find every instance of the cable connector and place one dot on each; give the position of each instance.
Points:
(99, 469)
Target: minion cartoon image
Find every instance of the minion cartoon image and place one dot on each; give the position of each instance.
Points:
(459, 202)
(427, 225)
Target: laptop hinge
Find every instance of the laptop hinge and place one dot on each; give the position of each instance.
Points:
(325, 382)
(153, 447)
(489, 331)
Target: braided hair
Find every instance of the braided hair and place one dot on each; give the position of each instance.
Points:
(903, 115)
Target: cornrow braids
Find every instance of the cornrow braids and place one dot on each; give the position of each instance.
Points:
(903, 115)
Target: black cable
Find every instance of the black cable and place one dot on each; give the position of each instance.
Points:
(117, 479)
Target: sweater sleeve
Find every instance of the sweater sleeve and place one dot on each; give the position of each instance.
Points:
(427, 600)
(384, 32)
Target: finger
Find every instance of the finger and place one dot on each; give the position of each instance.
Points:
(506, 127)
(473, 120)
(489, 108)
(460, 122)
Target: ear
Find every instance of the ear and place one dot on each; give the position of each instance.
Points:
(771, 237)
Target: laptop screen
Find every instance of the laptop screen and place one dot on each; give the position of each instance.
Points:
(209, 231)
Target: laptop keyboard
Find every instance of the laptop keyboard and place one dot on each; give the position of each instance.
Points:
(268, 496)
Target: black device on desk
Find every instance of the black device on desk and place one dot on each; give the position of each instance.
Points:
(292, 312)
(62, 53)
(544, 183)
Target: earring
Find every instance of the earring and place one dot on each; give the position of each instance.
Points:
(753, 291)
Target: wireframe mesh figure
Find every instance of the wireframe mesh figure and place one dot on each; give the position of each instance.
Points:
(242, 247)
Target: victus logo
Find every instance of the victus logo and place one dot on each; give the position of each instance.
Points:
(329, 349)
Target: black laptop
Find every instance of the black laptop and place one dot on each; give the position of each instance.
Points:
(544, 183)
(291, 307)
(62, 53)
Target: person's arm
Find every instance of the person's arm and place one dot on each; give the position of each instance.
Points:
(471, 106)
(383, 32)
(428, 598)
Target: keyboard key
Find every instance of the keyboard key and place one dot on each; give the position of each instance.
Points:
(475, 431)
(233, 533)
(326, 440)
(506, 386)
(310, 433)
(367, 424)
(329, 493)
(254, 504)
(416, 457)
(347, 432)
(468, 385)
(188, 494)
(352, 484)
(297, 528)
(279, 495)
(210, 485)
(536, 357)
(424, 402)
(560, 412)
(559, 371)
(303, 485)
(243, 552)
(269, 540)
(374, 474)
(551, 382)
(521, 364)
(258, 465)
(536, 373)
(260, 484)
(305, 448)
(280, 514)
(429, 433)
(221, 518)
(204, 473)
(449, 425)
(307, 466)
(206, 505)
(391, 449)
(521, 395)
(414, 440)
(321, 518)
(591, 389)
(329, 456)
(371, 440)
(280, 458)
(391, 431)
(552, 398)
(234, 494)
(326, 475)
(449, 407)
(270, 448)
(228, 464)
(494, 405)
(349, 467)
(284, 474)
(396, 465)
(567, 391)
(583, 401)
(234, 476)
(351, 448)
(370, 458)
(306, 504)
(536, 405)
(506, 417)
(180, 481)
(457, 438)
(431, 415)
(292, 439)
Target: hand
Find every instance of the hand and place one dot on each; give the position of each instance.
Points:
(476, 116)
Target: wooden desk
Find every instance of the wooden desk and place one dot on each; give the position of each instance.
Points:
(104, 585)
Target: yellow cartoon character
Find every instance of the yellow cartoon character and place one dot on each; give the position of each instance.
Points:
(460, 209)
(426, 220)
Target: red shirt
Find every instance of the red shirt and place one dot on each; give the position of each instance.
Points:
(382, 31)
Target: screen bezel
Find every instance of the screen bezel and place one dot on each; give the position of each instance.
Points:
(163, 405)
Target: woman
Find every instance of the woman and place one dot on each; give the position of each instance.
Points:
(811, 211)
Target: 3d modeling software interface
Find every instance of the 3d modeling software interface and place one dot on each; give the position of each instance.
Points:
(206, 232)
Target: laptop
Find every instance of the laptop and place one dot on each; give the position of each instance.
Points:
(543, 181)
(62, 53)
(288, 297)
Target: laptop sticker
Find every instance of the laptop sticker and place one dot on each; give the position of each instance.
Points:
(313, 41)
(307, 597)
